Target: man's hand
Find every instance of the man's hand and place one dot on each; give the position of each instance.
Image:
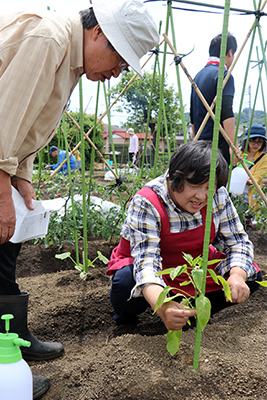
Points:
(26, 190)
(239, 289)
(7, 210)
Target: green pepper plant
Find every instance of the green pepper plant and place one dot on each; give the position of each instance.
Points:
(201, 303)
(79, 266)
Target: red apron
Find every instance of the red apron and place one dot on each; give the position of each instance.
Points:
(172, 245)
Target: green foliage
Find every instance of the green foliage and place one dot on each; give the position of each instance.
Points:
(258, 117)
(73, 137)
(104, 224)
(173, 341)
(80, 267)
(136, 98)
(202, 304)
(258, 212)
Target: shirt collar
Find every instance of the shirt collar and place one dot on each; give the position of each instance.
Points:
(76, 57)
(215, 61)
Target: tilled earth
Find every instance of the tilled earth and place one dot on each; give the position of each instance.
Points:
(64, 308)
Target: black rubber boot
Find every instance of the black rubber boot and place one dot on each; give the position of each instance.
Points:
(18, 306)
(40, 386)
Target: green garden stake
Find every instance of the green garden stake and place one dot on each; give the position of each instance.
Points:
(212, 174)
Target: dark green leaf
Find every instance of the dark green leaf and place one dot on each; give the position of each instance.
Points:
(213, 275)
(197, 275)
(177, 271)
(203, 307)
(173, 341)
(161, 297)
(226, 287)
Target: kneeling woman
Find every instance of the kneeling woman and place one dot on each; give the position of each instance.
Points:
(166, 218)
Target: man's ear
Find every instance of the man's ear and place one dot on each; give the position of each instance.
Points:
(97, 31)
(230, 53)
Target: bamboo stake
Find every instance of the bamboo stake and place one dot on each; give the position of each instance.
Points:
(196, 3)
(86, 135)
(228, 74)
(228, 140)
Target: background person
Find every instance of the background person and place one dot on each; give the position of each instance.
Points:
(256, 153)
(62, 155)
(42, 57)
(207, 80)
(78, 158)
(133, 145)
(166, 219)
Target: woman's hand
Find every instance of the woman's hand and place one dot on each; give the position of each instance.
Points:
(239, 289)
(174, 315)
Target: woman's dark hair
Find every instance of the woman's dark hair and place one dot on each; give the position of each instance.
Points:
(215, 45)
(89, 21)
(263, 147)
(193, 159)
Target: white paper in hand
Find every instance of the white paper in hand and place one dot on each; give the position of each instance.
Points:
(32, 224)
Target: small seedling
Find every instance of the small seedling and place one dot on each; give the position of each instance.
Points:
(202, 304)
(80, 267)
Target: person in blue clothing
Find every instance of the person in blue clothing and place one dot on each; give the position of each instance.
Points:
(206, 80)
(62, 154)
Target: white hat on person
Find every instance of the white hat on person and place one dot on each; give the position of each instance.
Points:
(129, 27)
(130, 131)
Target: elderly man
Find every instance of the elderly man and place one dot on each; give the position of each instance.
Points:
(42, 57)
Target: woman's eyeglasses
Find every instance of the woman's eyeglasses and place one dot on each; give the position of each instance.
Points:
(256, 141)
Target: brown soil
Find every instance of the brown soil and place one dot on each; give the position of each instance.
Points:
(79, 315)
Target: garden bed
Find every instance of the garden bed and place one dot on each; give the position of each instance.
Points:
(78, 314)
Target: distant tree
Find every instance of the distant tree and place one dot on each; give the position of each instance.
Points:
(135, 102)
(258, 117)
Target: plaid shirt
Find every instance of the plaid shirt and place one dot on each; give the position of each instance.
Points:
(142, 228)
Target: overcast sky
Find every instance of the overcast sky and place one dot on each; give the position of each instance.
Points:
(193, 29)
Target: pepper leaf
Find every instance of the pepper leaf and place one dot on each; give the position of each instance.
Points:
(197, 275)
(214, 276)
(161, 297)
(203, 307)
(226, 288)
(62, 256)
(263, 283)
(102, 257)
(173, 341)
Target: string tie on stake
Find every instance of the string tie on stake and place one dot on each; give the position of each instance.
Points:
(119, 181)
(155, 51)
(258, 14)
(178, 59)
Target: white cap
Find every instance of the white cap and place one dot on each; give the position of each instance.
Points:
(130, 131)
(129, 27)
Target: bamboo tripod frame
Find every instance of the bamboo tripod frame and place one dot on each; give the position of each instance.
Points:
(211, 113)
(209, 109)
(86, 135)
